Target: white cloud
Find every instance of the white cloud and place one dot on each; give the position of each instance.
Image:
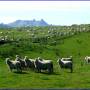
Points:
(43, 5)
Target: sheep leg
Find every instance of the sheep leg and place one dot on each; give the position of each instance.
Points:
(49, 70)
(39, 70)
(52, 68)
(19, 69)
(71, 69)
(11, 69)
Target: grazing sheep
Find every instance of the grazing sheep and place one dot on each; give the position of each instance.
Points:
(87, 59)
(44, 65)
(13, 65)
(29, 62)
(23, 63)
(66, 64)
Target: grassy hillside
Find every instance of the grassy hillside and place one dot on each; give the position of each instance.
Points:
(77, 46)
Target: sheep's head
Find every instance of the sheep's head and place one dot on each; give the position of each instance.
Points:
(26, 57)
(7, 60)
(17, 56)
(39, 58)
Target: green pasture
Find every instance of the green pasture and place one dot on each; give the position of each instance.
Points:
(77, 46)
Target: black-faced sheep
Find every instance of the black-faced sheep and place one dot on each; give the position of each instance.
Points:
(29, 62)
(66, 63)
(44, 65)
(13, 65)
(22, 61)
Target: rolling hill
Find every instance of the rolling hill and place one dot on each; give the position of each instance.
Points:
(23, 23)
(78, 46)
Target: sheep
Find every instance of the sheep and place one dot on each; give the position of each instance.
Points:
(13, 65)
(29, 62)
(23, 63)
(44, 65)
(68, 64)
(87, 59)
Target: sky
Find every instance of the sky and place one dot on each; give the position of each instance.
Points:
(53, 12)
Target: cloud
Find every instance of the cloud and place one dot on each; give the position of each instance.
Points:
(43, 5)
(56, 10)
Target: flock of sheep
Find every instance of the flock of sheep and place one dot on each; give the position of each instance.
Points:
(38, 64)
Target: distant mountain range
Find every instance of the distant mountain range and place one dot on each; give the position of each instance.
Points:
(22, 23)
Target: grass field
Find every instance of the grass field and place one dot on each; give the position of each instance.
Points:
(77, 46)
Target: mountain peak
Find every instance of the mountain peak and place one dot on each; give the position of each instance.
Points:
(21, 23)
